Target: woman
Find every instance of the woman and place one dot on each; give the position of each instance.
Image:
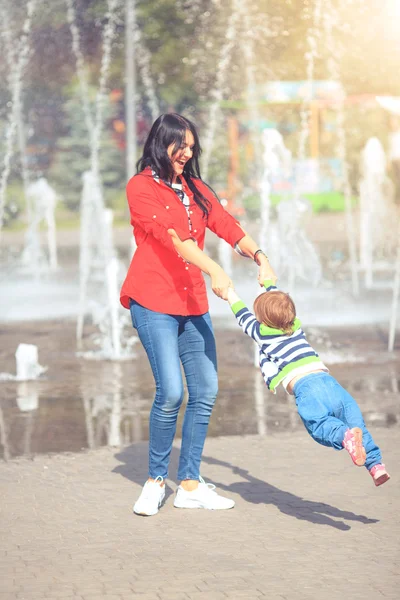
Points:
(164, 289)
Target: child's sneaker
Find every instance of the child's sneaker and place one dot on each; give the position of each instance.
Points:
(353, 444)
(379, 474)
(204, 496)
(151, 498)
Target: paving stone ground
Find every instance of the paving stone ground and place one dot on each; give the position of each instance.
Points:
(307, 524)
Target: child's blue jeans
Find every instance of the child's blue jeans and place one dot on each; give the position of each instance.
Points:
(172, 340)
(328, 410)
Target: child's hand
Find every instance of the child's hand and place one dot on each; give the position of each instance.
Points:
(266, 272)
(232, 296)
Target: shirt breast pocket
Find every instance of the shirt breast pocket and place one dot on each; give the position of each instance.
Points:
(177, 214)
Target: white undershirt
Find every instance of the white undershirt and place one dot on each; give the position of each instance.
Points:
(185, 201)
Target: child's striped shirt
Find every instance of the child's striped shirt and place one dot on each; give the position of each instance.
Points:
(282, 356)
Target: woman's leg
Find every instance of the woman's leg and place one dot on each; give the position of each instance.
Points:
(199, 358)
(158, 333)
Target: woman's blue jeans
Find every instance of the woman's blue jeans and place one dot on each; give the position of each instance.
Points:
(169, 341)
(328, 410)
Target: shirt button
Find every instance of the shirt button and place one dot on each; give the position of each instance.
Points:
(154, 216)
(191, 212)
(185, 288)
(187, 268)
(167, 207)
(195, 230)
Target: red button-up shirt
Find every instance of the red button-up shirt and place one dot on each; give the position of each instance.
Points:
(158, 278)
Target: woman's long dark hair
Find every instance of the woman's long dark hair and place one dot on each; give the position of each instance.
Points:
(170, 129)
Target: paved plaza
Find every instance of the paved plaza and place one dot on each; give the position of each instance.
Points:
(307, 524)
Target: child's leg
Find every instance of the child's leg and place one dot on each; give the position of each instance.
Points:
(316, 410)
(352, 416)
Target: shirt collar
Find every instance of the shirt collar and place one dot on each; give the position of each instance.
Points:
(157, 179)
(155, 176)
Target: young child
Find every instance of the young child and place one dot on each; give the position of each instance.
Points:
(329, 413)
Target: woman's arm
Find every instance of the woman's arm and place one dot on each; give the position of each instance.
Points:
(221, 222)
(189, 250)
(248, 247)
(149, 213)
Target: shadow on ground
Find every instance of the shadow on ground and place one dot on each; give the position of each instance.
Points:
(134, 460)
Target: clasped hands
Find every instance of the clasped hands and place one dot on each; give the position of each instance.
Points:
(221, 282)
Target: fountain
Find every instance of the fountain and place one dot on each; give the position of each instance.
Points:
(100, 277)
(392, 106)
(111, 416)
(260, 403)
(144, 59)
(292, 254)
(28, 367)
(27, 396)
(117, 397)
(288, 244)
(242, 10)
(251, 83)
(17, 61)
(225, 251)
(94, 120)
(96, 247)
(313, 35)
(4, 438)
(395, 301)
(276, 158)
(298, 257)
(90, 242)
(42, 200)
(12, 53)
(330, 20)
(217, 92)
(114, 429)
(378, 212)
(289, 231)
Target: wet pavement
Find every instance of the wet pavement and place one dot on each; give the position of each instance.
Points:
(73, 457)
(307, 524)
(85, 404)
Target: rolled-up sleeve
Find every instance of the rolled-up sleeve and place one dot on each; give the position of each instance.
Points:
(148, 212)
(221, 222)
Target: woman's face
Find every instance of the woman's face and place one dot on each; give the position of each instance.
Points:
(184, 153)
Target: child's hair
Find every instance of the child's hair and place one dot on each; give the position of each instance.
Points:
(275, 309)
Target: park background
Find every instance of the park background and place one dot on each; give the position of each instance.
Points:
(297, 105)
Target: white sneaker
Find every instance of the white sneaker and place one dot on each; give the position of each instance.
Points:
(151, 498)
(202, 497)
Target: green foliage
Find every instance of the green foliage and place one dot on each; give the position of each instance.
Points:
(322, 202)
(185, 41)
(328, 201)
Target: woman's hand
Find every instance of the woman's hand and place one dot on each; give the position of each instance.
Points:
(190, 251)
(220, 283)
(266, 271)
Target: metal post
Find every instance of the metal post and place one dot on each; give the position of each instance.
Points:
(314, 129)
(130, 87)
(395, 301)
